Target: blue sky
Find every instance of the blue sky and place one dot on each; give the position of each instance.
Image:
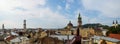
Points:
(57, 13)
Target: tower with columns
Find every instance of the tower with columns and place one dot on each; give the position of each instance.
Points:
(3, 27)
(79, 21)
(24, 25)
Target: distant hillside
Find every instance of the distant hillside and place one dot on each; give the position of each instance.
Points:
(95, 25)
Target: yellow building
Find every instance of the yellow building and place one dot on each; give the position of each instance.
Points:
(65, 32)
(84, 32)
(43, 34)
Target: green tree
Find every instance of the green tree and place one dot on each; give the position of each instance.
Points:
(114, 29)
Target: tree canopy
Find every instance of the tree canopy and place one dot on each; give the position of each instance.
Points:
(114, 29)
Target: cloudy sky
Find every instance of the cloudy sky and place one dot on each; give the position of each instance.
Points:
(57, 13)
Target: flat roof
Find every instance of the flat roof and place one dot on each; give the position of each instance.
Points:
(106, 38)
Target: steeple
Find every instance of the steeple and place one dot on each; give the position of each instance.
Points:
(77, 39)
(24, 25)
(113, 22)
(79, 21)
(69, 21)
(116, 22)
(116, 25)
(79, 16)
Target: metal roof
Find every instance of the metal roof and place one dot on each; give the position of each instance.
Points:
(106, 38)
(61, 37)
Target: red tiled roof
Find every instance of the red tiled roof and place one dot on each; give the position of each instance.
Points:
(116, 36)
(10, 38)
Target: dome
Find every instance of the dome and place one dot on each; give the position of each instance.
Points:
(70, 24)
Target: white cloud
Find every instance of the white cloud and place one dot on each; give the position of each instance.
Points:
(70, 1)
(8, 5)
(10, 23)
(109, 8)
(13, 18)
(52, 19)
(59, 7)
(67, 6)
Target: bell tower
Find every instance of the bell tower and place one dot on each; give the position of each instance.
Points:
(115, 24)
(24, 25)
(79, 21)
(3, 27)
(77, 38)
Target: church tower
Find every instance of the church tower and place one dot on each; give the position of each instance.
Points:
(79, 21)
(115, 24)
(77, 38)
(24, 25)
(3, 27)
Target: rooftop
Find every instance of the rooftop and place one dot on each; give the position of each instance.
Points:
(106, 38)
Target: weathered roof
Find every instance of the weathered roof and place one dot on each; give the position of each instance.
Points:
(17, 39)
(116, 36)
(61, 37)
(8, 38)
(13, 33)
(106, 38)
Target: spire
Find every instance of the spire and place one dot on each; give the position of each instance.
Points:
(116, 22)
(113, 22)
(69, 21)
(79, 21)
(79, 16)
